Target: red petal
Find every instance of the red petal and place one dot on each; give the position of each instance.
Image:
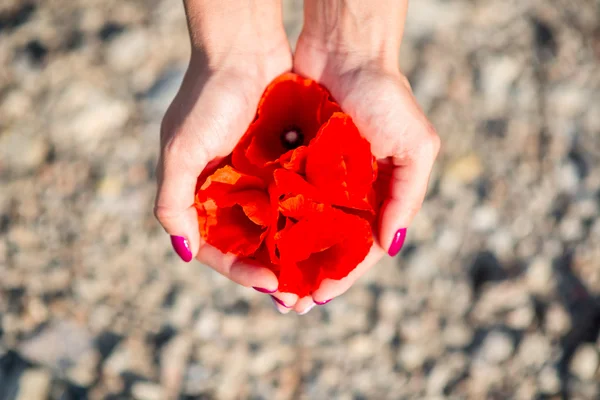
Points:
(332, 242)
(234, 211)
(289, 102)
(295, 160)
(340, 163)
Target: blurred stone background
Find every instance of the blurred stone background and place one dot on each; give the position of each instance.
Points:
(497, 295)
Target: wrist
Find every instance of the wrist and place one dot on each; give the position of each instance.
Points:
(355, 30)
(224, 33)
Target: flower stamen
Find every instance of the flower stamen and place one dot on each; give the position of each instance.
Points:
(292, 138)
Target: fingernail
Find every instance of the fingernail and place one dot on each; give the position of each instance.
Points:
(263, 290)
(307, 309)
(397, 242)
(181, 247)
(321, 303)
(280, 302)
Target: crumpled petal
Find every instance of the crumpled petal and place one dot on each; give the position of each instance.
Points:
(234, 211)
(290, 102)
(340, 164)
(327, 244)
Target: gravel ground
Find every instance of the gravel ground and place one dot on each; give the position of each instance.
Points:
(496, 296)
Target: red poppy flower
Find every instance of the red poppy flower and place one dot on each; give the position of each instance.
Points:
(233, 211)
(313, 241)
(297, 192)
(289, 115)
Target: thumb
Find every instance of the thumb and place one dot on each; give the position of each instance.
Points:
(408, 180)
(181, 162)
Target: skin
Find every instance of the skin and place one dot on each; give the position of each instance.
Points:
(238, 47)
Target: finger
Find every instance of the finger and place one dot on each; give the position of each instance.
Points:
(284, 302)
(329, 288)
(408, 185)
(280, 307)
(253, 275)
(304, 305)
(242, 272)
(180, 164)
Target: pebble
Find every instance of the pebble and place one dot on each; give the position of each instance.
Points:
(540, 277)
(534, 350)
(484, 219)
(412, 356)
(557, 321)
(173, 362)
(59, 346)
(128, 51)
(548, 380)
(457, 335)
(444, 372)
(585, 362)
(497, 347)
(34, 384)
(465, 170)
(522, 317)
(22, 152)
(147, 391)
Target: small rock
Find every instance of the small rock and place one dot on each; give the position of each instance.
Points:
(85, 372)
(208, 324)
(147, 391)
(197, 379)
(497, 347)
(465, 170)
(535, 350)
(571, 229)
(412, 356)
(558, 320)
(585, 362)
(133, 354)
(160, 95)
(548, 380)
(59, 346)
(34, 384)
(484, 219)
(443, 373)
(522, 317)
(539, 278)
(457, 335)
(173, 361)
(22, 152)
(498, 75)
(390, 305)
(128, 50)
(183, 310)
(568, 178)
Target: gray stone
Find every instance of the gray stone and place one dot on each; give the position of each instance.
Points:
(585, 362)
(147, 391)
(59, 346)
(497, 347)
(548, 380)
(34, 384)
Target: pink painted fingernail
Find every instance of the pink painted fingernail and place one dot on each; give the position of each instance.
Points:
(181, 247)
(322, 303)
(280, 302)
(263, 290)
(397, 242)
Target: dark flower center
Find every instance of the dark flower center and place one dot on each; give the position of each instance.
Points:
(292, 138)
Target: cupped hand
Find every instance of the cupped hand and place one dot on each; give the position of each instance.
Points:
(380, 101)
(212, 110)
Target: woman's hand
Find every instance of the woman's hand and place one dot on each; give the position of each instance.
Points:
(352, 48)
(236, 52)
